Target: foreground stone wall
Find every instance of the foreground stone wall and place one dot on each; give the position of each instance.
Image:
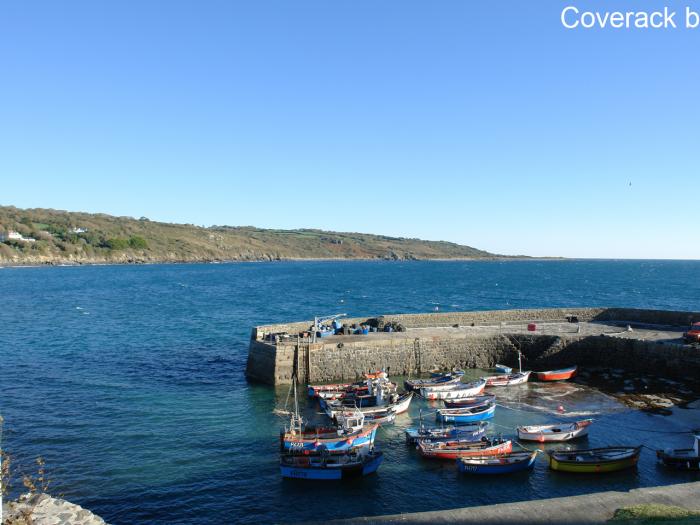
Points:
(410, 353)
(42, 509)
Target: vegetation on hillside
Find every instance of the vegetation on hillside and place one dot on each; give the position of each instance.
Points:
(67, 237)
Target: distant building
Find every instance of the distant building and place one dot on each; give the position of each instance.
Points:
(16, 236)
(78, 230)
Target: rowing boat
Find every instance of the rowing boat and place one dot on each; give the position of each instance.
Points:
(470, 401)
(557, 432)
(507, 464)
(330, 467)
(458, 391)
(471, 432)
(595, 460)
(508, 379)
(435, 380)
(466, 415)
(557, 375)
(453, 450)
(682, 458)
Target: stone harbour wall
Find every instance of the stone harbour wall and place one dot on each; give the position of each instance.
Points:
(411, 352)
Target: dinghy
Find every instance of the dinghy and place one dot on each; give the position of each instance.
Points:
(558, 432)
(503, 369)
(454, 450)
(595, 460)
(471, 432)
(682, 458)
(508, 379)
(466, 415)
(470, 401)
(557, 375)
(435, 380)
(458, 391)
(507, 464)
(397, 403)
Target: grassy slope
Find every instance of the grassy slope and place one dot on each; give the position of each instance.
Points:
(186, 242)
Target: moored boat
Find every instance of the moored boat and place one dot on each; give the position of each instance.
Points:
(506, 464)
(330, 467)
(453, 450)
(470, 432)
(557, 375)
(682, 458)
(458, 391)
(595, 460)
(381, 418)
(503, 369)
(397, 403)
(556, 432)
(470, 401)
(333, 440)
(435, 380)
(508, 379)
(466, 415)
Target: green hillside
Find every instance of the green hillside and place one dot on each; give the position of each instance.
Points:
(62, 237)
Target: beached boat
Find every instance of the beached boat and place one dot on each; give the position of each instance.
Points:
(682, 458)
(470, 401)
(330, 467)
(556, 432)
(466, 415)
(435, 380)
(458, 391)
(470, 432)
(507, 464)
(454, 450)
(595, 460)
(557, 375)
(508, 379)
(503, 369)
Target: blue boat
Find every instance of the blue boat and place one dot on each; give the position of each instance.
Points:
(333, 440)
(507, 464)
(330, 467)
(503, 369)
(466, 415)
(472, 432)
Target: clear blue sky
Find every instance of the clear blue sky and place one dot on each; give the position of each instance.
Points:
(480, 122)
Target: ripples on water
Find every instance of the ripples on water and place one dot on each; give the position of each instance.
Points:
(129, 381)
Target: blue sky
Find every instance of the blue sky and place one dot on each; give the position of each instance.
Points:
(480, 122)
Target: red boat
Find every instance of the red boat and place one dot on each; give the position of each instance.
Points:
(464, 449)
(557, 375)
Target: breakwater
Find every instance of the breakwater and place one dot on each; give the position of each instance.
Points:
(647, 341)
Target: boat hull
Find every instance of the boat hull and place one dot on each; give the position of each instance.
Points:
(458, 392)
(448, 417)
(466, 433)
(364, 438)
(594, 467)
(557, 375)
(554, 434)
(446, 451)
(497, 465)
(508, 380)
(332, 473)
(680, 459)
(470, 401)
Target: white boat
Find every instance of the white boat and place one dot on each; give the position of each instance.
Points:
(558, 432)
(461, 391)
(508, 379)
(397, 404)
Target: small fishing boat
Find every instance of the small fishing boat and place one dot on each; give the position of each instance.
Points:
(395, 402)
(461, 449)
(331, 439)
(557, 375)
(470, 401)
(466, 415)
(330, 467)
(682, 458)
(507, 464)
(595, 460)
(557, 432)
(503, 369)
(471, 432)
(381, 418)
(458, 391)
(508, 379)
(435, 380)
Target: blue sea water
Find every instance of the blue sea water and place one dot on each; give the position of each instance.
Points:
(129, 381)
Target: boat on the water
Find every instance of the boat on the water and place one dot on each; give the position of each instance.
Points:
(682, 458)
(470, 401)
(335, 389)
(381, 418)
(395, 402)
(467, 414)
(595, 460)
(517, 378)
(460, 449)
(556, 432)
(557, 375)
(458, 391)
(439, 379)
(331, 439)
(503, 369)
(470, 432)
(330, 466)
(507, 464)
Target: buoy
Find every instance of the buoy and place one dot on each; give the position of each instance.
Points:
(561, 408)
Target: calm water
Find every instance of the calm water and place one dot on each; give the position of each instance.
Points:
(130, 382)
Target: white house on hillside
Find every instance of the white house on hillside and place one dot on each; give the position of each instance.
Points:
(16, 236)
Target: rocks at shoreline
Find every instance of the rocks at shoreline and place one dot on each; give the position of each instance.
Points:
(42, 509)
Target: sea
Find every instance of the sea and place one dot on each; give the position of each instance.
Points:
(129, 381)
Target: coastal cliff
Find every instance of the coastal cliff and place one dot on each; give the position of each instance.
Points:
(43, 236)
